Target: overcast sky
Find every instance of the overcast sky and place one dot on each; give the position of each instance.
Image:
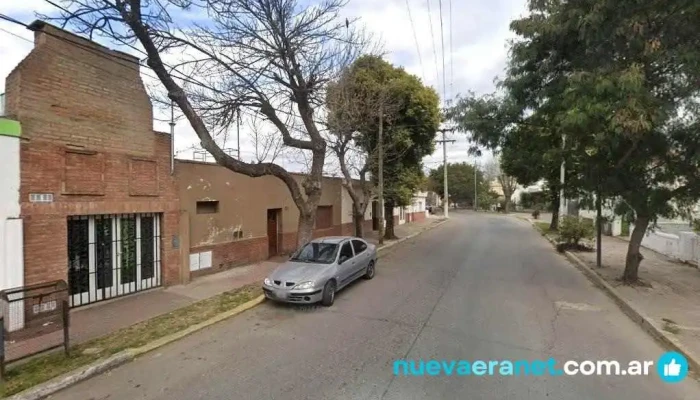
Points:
(476, 55)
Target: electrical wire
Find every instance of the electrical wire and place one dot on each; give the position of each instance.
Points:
(16, 35)
(415, 38)
(98, 53)
(442, 39)
(452, 71)
(432, 36)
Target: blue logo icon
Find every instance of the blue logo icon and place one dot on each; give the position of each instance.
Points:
(672, 367)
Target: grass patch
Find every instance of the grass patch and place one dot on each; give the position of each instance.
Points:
(49, 366)
(543, 227)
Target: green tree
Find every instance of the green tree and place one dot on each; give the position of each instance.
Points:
(630, 99)
(460, 181)
(410, 121)
(529, 143)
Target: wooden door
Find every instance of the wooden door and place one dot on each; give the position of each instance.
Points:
(272, 232)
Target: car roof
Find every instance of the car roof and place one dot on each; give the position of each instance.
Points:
(333, 239)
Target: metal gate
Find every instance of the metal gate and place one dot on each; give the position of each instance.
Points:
(112, 255)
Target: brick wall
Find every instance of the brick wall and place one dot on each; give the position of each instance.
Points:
(233, 254)
(418, 216)
(349, 229)
(88, 121)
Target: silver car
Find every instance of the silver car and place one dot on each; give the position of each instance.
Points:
(320, 268)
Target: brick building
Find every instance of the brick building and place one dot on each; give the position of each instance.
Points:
(97, 200)
(234, 219)
(89, 195)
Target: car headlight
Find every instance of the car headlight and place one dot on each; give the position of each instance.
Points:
(268, 282)
(305, 285)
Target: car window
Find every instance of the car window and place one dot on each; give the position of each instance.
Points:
(346, 252)
(359, 246)
(316, 253)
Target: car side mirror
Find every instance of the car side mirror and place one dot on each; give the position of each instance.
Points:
(342, 259)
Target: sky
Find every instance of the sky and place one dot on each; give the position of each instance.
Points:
(475, 34)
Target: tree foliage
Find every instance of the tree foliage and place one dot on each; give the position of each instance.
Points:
(621, 79)
(460, 181)
(411, 116)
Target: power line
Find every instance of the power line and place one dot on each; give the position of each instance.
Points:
(442, 39)
(452, 74)
(98, 53)
(415, 38)
(432, 37)
(16, 35)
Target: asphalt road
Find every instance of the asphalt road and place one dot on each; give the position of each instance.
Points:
(481, 286)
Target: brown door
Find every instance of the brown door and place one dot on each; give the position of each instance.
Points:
(375, 214)
(272, 232)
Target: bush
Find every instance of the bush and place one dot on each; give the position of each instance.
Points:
(573, 229)
(536, 214)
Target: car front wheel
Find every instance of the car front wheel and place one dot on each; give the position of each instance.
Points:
(328, 294)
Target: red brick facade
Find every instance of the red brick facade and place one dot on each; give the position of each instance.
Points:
(88, 123)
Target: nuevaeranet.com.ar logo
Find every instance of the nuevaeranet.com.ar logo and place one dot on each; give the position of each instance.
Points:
(671, 367)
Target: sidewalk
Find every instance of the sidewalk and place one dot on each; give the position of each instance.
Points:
(673, 300)
(406, 229)
(103, 318)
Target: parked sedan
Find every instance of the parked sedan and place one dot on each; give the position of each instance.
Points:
(321, 268)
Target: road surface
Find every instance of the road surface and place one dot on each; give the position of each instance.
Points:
(481, 286)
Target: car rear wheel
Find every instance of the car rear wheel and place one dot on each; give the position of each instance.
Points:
(369, 274)
(328, 294)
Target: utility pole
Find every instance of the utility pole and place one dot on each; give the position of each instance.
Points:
(446, 199)
(380, 175)
(562, 176)
(599, 228)
(238, 132)
(476, 197)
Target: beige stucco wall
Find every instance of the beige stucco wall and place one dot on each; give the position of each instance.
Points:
(346, 200)
(243, 202)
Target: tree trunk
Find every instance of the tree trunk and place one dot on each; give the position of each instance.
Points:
(358, 218)
(305, 229)
(599, 229)
(554, 194)
(506, 206)
(389, 214)
(634, 257)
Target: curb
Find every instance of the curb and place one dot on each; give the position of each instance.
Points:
(57, 384)
(632, 312)
(403, 239)
(52, 386)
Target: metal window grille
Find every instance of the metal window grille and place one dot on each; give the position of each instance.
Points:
(112, 255)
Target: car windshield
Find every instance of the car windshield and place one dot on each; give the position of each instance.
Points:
(316, 253)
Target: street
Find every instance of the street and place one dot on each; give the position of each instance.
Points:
(480, 287)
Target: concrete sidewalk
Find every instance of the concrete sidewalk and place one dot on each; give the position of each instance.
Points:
(672, 302)
(406, 229)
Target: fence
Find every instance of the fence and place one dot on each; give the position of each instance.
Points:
(34, 319)
(684, 246)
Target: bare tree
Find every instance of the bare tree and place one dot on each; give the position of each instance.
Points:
(508, 183)
(273, 57)
(268, 145)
